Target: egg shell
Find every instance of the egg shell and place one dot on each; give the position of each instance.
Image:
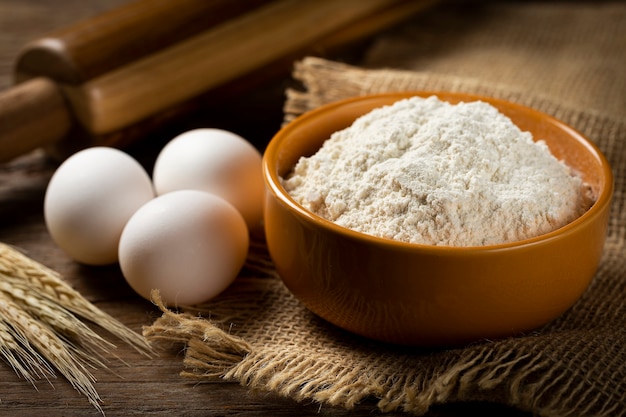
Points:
(188, 244)
(89, 199)
(216, 161)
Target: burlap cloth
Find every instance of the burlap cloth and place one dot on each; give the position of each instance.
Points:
(566, 59)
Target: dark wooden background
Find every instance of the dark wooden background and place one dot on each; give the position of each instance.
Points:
(146, 387)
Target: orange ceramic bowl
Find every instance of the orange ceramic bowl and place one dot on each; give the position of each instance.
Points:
(424, 295)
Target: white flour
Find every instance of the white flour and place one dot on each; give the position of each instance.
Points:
(425, 171)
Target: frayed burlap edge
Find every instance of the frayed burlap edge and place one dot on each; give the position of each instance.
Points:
(232, 337)
(397, 380)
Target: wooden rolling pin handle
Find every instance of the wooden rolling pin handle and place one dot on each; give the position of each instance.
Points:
(33, 114)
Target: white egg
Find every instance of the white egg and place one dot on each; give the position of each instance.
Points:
(188, 244)
(216, 161)
(89, 199)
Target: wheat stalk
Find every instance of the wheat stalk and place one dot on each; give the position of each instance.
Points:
(41, 327)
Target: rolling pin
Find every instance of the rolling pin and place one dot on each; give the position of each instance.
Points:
(34, 113)
(112, 79)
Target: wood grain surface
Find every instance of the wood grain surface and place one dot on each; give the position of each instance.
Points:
(140, 386)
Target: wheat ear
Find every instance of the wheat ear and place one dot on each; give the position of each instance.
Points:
(41, 328)
(20, 271)
(20, 355)
(40, 337)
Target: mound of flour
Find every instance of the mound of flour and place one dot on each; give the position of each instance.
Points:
(425, 171)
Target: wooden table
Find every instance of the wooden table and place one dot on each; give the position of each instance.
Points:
(147, 387)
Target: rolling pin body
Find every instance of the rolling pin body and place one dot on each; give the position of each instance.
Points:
(147, 86)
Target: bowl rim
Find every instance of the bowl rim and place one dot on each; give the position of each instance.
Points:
(274, 185)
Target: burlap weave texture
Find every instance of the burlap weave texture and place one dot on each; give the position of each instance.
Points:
(259, 335)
